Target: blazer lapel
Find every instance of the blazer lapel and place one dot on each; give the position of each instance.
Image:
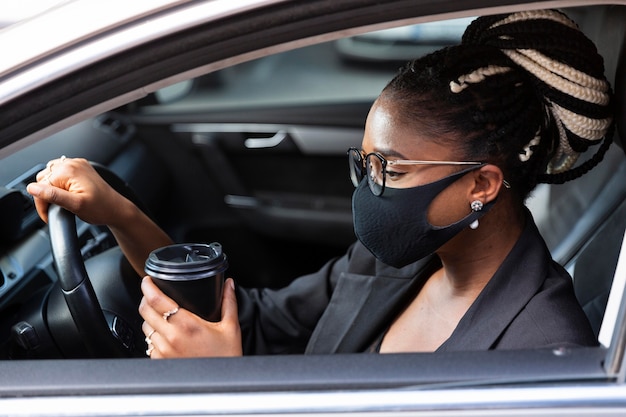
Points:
(362, 306)
(517, 280)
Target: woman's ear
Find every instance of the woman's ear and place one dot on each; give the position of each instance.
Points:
(488, 180)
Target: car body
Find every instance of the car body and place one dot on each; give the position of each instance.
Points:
(230, 120)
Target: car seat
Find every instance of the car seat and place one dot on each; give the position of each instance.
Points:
(591, 249)
(583, 221)
(595, 266)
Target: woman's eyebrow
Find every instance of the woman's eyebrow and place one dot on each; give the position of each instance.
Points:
(387, 153)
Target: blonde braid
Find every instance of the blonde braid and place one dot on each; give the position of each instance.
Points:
(572, 88)
(567, 80)
(476, 76)
(534, 15)
(587, 128)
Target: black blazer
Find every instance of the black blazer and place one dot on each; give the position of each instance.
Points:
(348, 304)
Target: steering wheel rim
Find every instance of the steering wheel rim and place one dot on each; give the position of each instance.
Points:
(76, 287)
(74, 281)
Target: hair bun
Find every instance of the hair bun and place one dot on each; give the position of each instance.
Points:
(567, 70)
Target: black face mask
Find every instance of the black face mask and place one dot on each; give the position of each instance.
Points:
(394, 226)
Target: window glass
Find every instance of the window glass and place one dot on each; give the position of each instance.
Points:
(350, 69)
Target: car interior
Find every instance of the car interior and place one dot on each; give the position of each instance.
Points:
(254, 156)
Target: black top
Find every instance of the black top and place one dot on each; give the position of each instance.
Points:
(348, 304)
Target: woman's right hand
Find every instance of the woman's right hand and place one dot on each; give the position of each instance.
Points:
(173, 332)
(74, 184)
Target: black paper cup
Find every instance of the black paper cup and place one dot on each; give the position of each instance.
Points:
(192, 274)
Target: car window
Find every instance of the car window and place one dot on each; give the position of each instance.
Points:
(349, 69)
(292, 198)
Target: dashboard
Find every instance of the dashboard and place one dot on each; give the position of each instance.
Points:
(26, 262)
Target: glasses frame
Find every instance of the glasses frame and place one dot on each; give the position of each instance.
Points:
(360, 168)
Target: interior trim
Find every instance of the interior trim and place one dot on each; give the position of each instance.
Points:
(310, 140)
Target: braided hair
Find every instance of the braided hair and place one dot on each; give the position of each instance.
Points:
(524, 91)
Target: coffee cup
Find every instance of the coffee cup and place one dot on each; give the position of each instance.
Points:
(192, 274)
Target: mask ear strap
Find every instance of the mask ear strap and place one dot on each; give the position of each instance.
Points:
(479, 208)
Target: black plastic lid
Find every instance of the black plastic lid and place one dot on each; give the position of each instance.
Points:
(186, 261)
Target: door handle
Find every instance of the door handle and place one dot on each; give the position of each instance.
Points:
(259, 143)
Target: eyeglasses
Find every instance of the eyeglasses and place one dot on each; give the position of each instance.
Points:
(374, 165)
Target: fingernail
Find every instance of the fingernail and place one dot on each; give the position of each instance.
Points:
(232, 283)
(33, 188)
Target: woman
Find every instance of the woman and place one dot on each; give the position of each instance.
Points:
(448, 257)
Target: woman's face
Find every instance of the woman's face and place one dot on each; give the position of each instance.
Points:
(387, 134)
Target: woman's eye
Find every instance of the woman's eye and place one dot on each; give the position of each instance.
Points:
(394, 175)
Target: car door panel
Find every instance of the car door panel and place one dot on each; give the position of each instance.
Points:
(275, 186)
(279, 182)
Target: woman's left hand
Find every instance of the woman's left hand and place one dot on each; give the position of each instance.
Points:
(184, 334)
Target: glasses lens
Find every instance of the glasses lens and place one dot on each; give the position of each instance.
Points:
(355, 162)
(376, 173)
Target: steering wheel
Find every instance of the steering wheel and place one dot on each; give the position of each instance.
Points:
(104, 335)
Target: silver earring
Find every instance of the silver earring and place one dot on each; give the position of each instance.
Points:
(475, 205)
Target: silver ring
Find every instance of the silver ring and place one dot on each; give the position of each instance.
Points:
(52, 162)
(170, 313)
(148, 340)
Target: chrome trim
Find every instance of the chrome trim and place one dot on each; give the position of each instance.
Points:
(607, 399)
(270, 142)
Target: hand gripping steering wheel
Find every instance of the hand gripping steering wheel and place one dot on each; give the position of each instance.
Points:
(98, 334)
